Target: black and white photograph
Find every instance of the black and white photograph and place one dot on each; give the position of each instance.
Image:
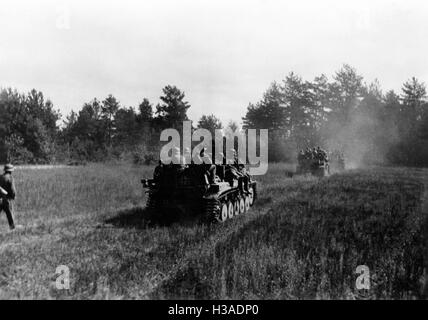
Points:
(226, 152)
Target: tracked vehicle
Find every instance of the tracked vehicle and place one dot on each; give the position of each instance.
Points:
(177, 191)
(320, 168)
(315, 167)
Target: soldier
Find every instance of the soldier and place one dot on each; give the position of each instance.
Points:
(231, 172)
(314, 156)
(172, 171)
(177, 158)
(309, 155)
(243, 176)
(221, 167)
(324, 154)
(196, 169)
(7, 194)
(157, 174)
(188, 152)
(234, 168)
(209, 168)
(321, 155)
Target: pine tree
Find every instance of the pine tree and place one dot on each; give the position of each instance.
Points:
(173, 109)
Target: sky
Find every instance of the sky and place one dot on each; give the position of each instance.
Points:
(222, 54)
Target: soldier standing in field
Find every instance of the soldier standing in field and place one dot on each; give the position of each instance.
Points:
(7, 194)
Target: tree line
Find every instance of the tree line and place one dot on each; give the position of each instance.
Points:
(346, 114)
(31, 132)
(343, 113)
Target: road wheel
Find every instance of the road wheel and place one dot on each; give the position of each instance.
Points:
(230, 210)
(241, 205)
(223, 212)
(251, 196)
(247, 203)
(236, 206)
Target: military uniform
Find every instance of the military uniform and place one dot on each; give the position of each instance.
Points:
(7, 194)
(157, 174)
(208, 168)
(240, 172)
(322, 155)
(221, 166)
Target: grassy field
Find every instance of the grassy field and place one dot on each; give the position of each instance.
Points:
(304, 238)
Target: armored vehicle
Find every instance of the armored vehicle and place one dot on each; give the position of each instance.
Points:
(314, 161)
(320, 168)
(177, 190)
(315, 167)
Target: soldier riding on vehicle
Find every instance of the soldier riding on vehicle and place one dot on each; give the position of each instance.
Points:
(196, 188)
(314, 161)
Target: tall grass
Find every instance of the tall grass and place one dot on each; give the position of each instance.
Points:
(302, 239)
(312, 240)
